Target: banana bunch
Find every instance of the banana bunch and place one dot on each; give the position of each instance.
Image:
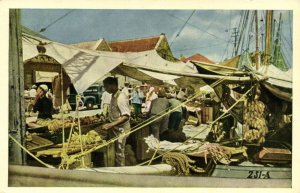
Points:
(55, 125)
(43, 122)
(91, 137)
(92, 119)
(255, 122)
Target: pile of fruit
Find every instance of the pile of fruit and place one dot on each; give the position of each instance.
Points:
(55, 125)
(255, 122)
(91, 137)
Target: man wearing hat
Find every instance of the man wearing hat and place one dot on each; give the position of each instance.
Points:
(42, 103)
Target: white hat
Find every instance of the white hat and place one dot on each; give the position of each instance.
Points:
(44, 87)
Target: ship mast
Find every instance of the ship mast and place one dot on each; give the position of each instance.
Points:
(268, 37)
(257, 58)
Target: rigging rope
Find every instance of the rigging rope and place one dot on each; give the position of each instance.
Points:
(181, 163)
(55, 21)
(182, 28)
(27, 151)
(225, 112)
(229, 39)
(196, 27)
(135, 128)
(65, 157)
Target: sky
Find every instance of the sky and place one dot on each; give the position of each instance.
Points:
(208, 32)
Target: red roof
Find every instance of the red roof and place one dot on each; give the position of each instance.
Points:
(134, 45)
(198, 58)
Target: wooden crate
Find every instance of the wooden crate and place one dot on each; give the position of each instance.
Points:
(141, 146)
(104, 157)
(274, 155)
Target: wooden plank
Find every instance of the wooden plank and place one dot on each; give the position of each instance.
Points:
(37, 142)
(109, 155)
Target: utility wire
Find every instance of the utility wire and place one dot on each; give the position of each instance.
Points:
(182, 27)
(196, 27)
(195, 48)
(212, 21)
(55, 21)
(229, 40)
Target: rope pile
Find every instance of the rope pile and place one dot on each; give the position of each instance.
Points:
(218, 153)
(220, 117)
(181, 164)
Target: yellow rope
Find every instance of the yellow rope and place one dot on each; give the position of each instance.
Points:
(140, 126)
(65, 157)
(153, 155)
(27, 151)
(135, 129)
(242, 98)
(181, 163)
(79, 128)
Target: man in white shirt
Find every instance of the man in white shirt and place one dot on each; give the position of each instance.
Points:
(125, 89)
(105, 102)
(119, 114)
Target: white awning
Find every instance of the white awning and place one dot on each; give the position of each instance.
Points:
(84, 67)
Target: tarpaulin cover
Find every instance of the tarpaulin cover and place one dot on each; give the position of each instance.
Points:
(84, 67)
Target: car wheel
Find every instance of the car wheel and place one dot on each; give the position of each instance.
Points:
(89, 105)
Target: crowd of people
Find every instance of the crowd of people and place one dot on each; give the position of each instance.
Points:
(119, 105)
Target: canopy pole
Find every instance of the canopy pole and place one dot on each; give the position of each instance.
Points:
(64, 152)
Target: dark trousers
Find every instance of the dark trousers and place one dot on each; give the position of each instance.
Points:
(174, 120)
(137, 108)
(159, 126)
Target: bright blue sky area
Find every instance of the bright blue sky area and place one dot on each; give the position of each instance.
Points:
(206, 32)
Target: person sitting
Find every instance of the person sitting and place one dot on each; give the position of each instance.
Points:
(42, 103)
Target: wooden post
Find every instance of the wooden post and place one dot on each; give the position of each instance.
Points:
(16, 89)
